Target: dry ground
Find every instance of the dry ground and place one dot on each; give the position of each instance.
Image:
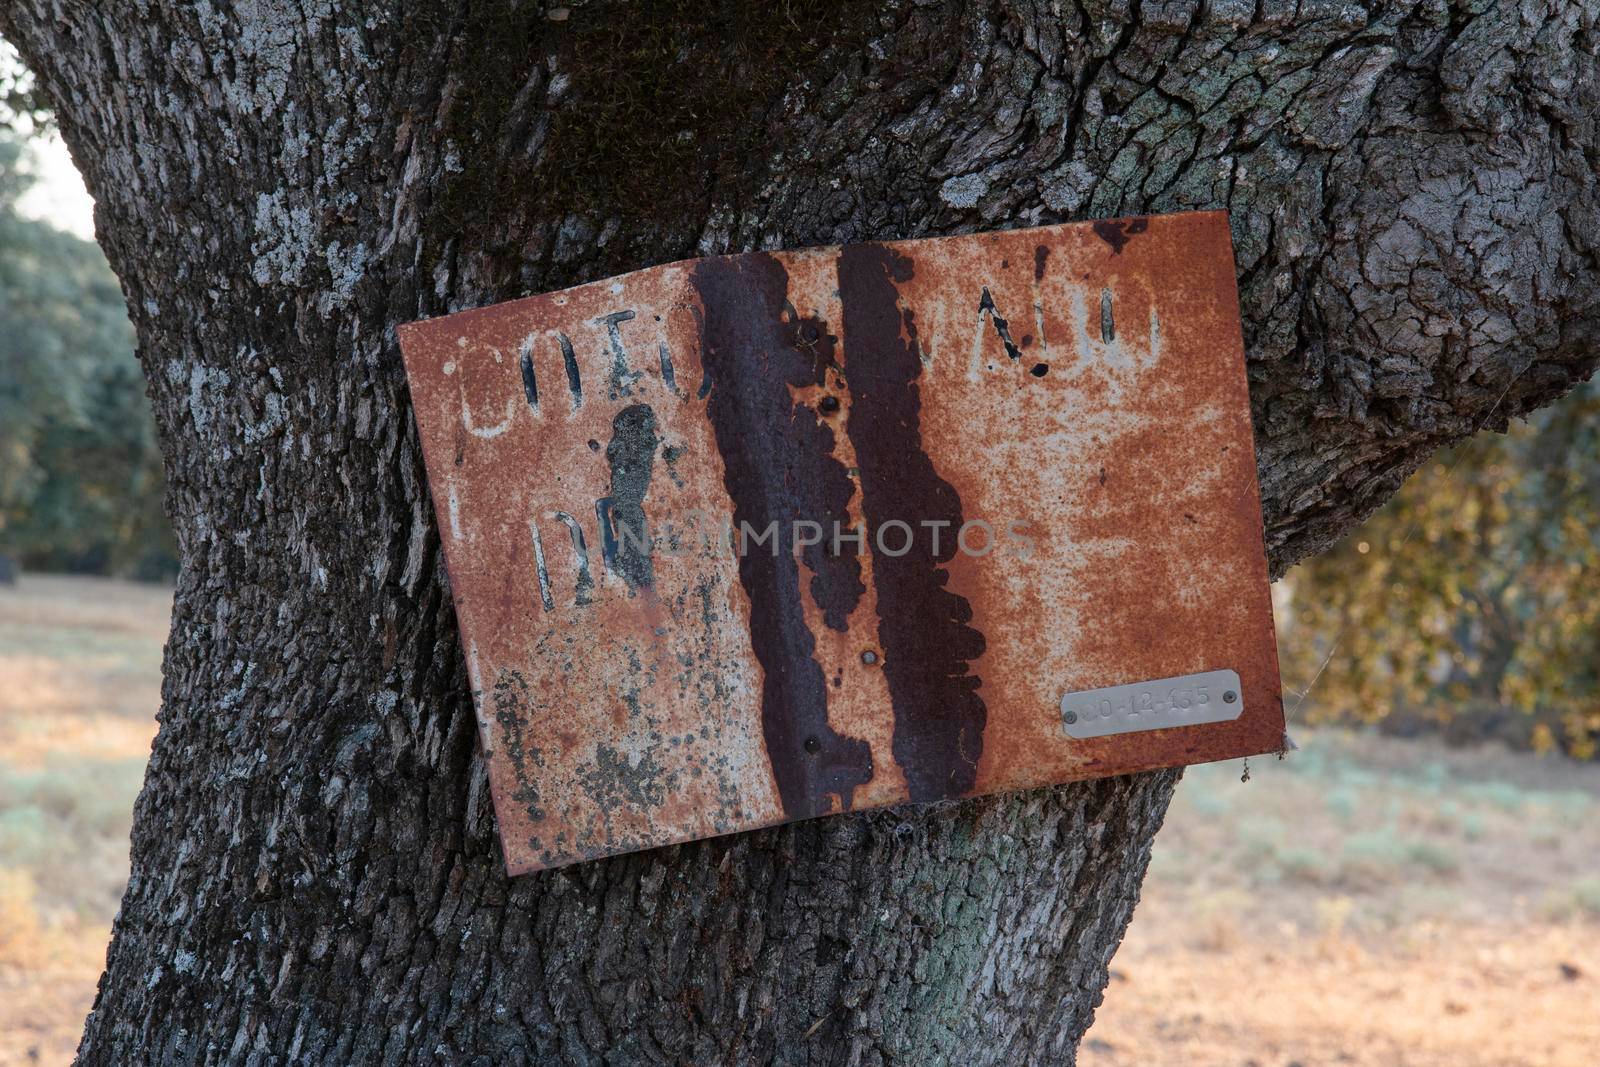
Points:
(80, 680)
(1368, 901)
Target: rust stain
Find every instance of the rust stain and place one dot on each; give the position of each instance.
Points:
(755, 348)
(996, 469)
(924, 627)
(1118, 232)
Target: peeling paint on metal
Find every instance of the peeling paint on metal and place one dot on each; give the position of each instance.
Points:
(969, 522)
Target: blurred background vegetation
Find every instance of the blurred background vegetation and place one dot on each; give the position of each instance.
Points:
(80, 473)
(1470, 604)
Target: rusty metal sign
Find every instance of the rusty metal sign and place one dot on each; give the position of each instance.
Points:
(761, 537)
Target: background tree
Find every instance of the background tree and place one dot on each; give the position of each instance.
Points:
(1471, 602)
(22, 105)
(279, 184)
(80, 474)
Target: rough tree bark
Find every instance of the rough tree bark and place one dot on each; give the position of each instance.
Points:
(280, 182)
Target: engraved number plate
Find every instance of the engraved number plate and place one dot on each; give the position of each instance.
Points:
(1189, 699)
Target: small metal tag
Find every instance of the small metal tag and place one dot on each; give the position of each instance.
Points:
(1187, 700)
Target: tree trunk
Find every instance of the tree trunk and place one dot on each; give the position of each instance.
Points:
(315, 873)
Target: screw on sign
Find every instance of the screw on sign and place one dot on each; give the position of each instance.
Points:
(762, 537)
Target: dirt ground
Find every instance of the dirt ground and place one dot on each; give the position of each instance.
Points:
(80, 680)
(1446, 994)
(1368, 901)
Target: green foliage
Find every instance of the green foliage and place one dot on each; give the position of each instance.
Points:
(1469, 604)
(22, 105)
(80, 474)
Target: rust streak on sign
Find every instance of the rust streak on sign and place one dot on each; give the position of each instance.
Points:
(761, 537)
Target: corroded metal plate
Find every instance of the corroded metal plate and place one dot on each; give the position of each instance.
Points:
(760, 537)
